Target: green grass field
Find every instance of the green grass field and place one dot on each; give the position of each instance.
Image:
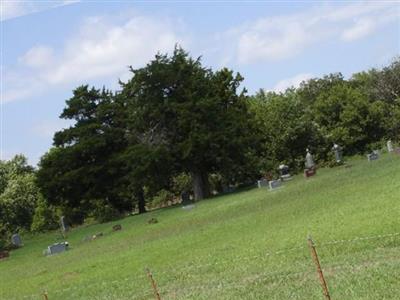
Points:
(247, 245)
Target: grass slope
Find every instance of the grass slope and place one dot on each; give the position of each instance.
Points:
(247, 245)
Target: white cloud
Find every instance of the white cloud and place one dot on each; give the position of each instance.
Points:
(271, 43)
(360, 29)
(16, 8)
(366, 25)
(103, 48)
(94, 55)
(294, 81)
(281, 37)
(37, 57)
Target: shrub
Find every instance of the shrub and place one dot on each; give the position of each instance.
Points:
(162, 198)
(181, 183)
(18, 202)
(105, 212)
(45, 217)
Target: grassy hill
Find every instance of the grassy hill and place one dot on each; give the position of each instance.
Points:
(246, 245)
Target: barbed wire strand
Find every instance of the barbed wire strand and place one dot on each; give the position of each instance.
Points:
(193, 267)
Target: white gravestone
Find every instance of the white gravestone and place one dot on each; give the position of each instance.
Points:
(389, 145)
(338, 153)
(64, 225)
(309, 160)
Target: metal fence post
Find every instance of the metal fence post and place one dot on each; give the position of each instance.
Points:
(45, 295)
(153, 284)
(314, 256)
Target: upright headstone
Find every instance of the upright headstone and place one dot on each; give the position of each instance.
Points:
(310, 169)
(64, 225)
(338, 153)
(373, 156)
(187, 203)
(284, 172)
(309, 160)
(185, 196)
(389, 145)
(16, 240)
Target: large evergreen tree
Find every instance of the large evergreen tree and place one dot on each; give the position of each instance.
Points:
(78, 173)
(197, 114)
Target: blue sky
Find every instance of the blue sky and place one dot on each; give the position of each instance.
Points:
(50, 47)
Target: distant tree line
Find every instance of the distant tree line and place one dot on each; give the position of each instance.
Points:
(357, 114)
(22, 205)
(177, 126)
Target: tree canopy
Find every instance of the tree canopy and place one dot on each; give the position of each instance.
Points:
(176, 118)
(172, 116)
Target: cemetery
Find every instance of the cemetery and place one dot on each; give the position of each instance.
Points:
(244, 219)
(178, 150)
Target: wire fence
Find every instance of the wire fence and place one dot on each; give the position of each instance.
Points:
(274, 273)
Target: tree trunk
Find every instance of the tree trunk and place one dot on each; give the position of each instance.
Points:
(206, 185)
(141, 201)
(201, 186)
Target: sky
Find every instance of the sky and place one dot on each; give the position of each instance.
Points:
(48, 48)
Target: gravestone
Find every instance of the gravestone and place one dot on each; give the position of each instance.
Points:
(262, 183)
(309, 160)
(57, 248)
(64, 225)
(152, 221)
(310, 172)
(87, 238)
(188, 207)
(185, 196)
(389, 145)
(97, 235)
(187, 203)
(274, 184)
(4, 254)
(228, 188)
(373, 156)
(338, 153)
(310, 169)
(16, 240)
(117, 227)
(284, 172)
